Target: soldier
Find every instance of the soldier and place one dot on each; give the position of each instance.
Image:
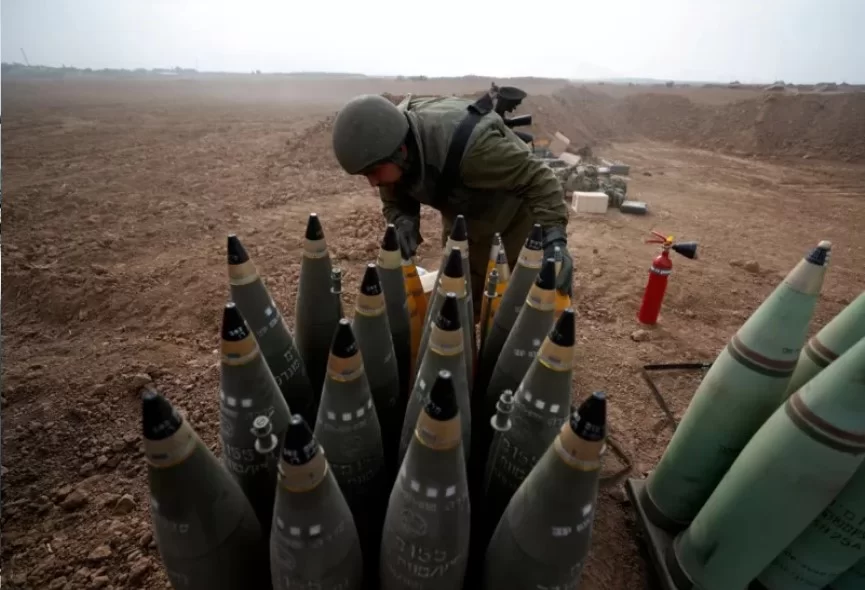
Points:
(457, 157)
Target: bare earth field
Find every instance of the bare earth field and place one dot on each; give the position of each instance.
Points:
(119, 196)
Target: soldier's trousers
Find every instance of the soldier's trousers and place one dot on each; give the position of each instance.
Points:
(514, 234)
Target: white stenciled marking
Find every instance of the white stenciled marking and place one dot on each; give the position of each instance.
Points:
(561, 531)
(294, 531)
(554, 408)
(154, 503)
(221, 395)
(369, 403)
(536, 342)
(279, 523)
(527, 396)
(415, 485)
(268, 311)
(349, 416)
(540, 404)
(421, 384)
(315, 530)
(432, 492)
(587, 509)
(231, 401)
(246, 403)
(452, 490)
(402, 471)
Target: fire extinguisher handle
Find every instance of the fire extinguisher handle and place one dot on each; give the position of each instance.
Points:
(660, 239)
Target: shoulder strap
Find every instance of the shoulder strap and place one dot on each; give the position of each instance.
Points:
(403, 104)
(451, 170)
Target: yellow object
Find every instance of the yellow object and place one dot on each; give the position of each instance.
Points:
(563, 301)
(414, 321)
(484, 305)
(504, 278)
(417, 299)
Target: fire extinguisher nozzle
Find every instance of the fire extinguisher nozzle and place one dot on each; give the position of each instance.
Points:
(686, 249)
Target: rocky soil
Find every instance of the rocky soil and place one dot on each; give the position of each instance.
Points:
(119, 197)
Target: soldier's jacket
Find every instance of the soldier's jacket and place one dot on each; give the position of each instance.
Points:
(498, 174)
(502, 186)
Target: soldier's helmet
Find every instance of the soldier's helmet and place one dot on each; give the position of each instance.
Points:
(367, 130)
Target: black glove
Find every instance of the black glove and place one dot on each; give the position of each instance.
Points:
(409, 233)
(555, 236)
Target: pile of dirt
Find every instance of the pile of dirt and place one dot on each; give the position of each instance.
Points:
(818, 125)
(814, 125)
(584, 116)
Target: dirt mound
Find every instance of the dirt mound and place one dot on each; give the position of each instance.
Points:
(815, 125)
(824, 125)
(585, 116)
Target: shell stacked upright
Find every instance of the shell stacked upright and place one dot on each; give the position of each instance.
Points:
(247, 390)
(264, 318)
(345, 460)
(745, 385)
(205, 528)
(317, 312)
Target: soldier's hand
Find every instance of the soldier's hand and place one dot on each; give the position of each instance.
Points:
(555, 236)
(409, 234)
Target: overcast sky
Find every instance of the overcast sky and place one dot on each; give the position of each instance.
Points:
(802, 41)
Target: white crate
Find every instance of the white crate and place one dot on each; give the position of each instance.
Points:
(569, 158)
(559, 144)
(589, 202)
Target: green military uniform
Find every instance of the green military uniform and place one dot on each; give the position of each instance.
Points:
(502, 187)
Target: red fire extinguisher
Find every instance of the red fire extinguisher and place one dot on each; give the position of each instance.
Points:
(659, 273)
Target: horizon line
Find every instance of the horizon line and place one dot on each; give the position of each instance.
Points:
(406, 77)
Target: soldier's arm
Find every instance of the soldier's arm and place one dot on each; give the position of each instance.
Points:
(396, 204)
(498, 162)
(404, 212)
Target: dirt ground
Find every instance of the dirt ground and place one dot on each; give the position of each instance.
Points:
(119, 196)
